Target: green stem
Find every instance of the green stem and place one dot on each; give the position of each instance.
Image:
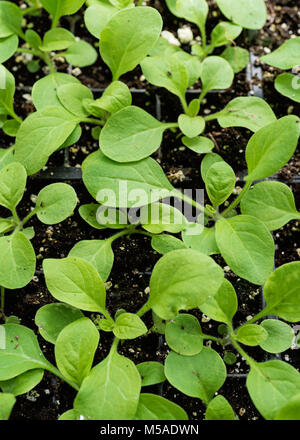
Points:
(202, 95)
(259, 315)
(55, 371)
(29, 216)
(93, 121)
(30, 51)
(114, 346)
(238, 199)
(192, 202)
(203, 36)
(12, 113)
(214, 116)
(146, 307)
(30, 10)
(16, 217)
(45, 56)
(212, 338)
(184, 104)
(128, 231)
(249, 359)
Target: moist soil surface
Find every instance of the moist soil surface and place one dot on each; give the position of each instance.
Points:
(128, 283)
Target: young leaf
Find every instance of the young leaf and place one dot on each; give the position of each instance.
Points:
(199, 144)
(101, 174)
(247, 247)
(75, 348)
(41, 134)
(6, 157)
(133, 32)
(10, 19)
(166, 71)
(71, 97)
(164, 243)
(219, 409)
(20, 353)
(271, 202)
(115, 97)
(251, 112)
(51, 319)
(271, 147)
(207, 162)
(12, 185)
(252, 334)
(11, 127)
(250, 14)
(89, 214)
(76, 282)
(131, 134)
(282, 292)
(98, 253)
(60, 8)
(191, 126)
(57, 39)
(17, 261)
(272, 381)
(223, 306)
(184, 335)
(216, 74)
(288, 85)
(286, 56)
(151, 373)
(129, 326)
(81, 54)
(8, 47)
(196, 376)
(98, 15)
(290, 411)
(219, 182)
(237, 57)
(192, 65)
(7, 91)
(7, 402)
(44, 91)
(55, 203)
(182, 280)
(280, 336)
(160, 217)
(68, 415)
(193, 10)
(33, 38)
(153, 407)
(23, 383)
(204, 241)
(111, 391)
(224, 33)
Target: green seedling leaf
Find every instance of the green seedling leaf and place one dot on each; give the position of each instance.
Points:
(7, 402)
(72, 96)
(288, 85)
(57, 39)
(252, 334)
(10, 19)
(165, 243)
(29, 232)
(167, 71)
(131, 134)
(271, 202)
(68, 415)
(219, 409)
(192, 10)
(23, 383)
(196, 376)
(216, 74)
(7, 90)
(55, 203)
(40, 135)
(286, 56)
(72, 139)
(20, 353)
(17, 261)
(160, 217)
(6, 224)
(115, 97)
(247, 247)
(192, 65)
(237, 57)
(219, 182)
(98, 15)
(8, 46)
(111, 391)
(99, 253)
(203, 241)
(250, 14)
(12, 185)
(59, 8)
(81, 54)
(184, 335)
(271, 147)
(11, 127)
(223, 306)
(153, 407)
(282, 292)
(191, 126)
(224, 33)
(129, 326)
(199, 144)
(251, 112)
(229, 358)
(89, 214)
(51, 319)
(207, 162)
(44, 91)
(182, 280)
(133, 32)
(75, 348)
(151, 373)
(194, 107)
(280, 336)
(101, 174)
(6, 157)
(76, 282)
(33, 38)
(272, 381)
(163, 47)
(290, 411)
